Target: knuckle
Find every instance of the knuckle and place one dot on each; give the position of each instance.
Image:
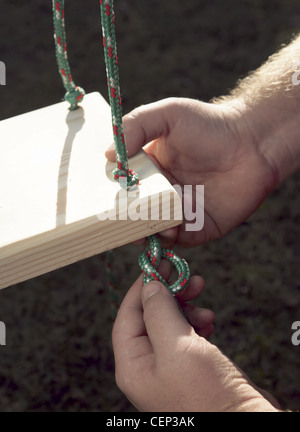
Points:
(135, 113)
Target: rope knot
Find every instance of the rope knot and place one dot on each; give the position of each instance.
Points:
(126, 178)
(149, 260)
(74, 96)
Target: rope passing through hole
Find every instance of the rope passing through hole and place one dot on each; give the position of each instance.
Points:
(151, 256)
(122, 171)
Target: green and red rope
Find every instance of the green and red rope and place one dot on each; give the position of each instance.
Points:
(74, 94)
(151, 256)
(122, 173)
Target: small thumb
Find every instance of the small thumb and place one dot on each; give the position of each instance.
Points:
(163, 319)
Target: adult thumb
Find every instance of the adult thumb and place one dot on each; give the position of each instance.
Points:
(144, 124)
(163, 319)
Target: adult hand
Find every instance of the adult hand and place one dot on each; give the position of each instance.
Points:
(195, 143)
(164, 363)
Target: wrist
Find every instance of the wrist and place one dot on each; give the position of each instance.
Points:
(248, 132)
(272, 128)
(256, 405)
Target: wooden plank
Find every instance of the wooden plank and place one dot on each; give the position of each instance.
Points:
(58, 201)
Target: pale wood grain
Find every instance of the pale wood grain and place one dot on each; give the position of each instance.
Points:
(56, 186)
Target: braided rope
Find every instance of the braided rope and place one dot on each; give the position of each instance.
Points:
(74, 94)
(111, 61)
(151, 256)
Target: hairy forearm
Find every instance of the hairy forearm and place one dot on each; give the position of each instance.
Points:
(269, 103)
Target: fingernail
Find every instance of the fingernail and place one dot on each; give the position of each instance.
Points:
(151, 289)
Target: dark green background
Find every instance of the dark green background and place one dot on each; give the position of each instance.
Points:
(58, 355)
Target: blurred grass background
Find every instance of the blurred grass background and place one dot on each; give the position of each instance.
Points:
(58, 355)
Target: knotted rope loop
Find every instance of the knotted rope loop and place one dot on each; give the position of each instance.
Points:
(149, 260)
(74, 96)
(126, 179)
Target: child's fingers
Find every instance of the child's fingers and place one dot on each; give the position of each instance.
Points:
(140, 242)
(199, 318)
(196, 286)
(205, 332)
(167, 238)
(165, 269)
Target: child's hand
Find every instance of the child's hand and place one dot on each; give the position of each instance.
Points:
(163, 364)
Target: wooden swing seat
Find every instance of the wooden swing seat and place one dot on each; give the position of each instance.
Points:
(58, 196)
